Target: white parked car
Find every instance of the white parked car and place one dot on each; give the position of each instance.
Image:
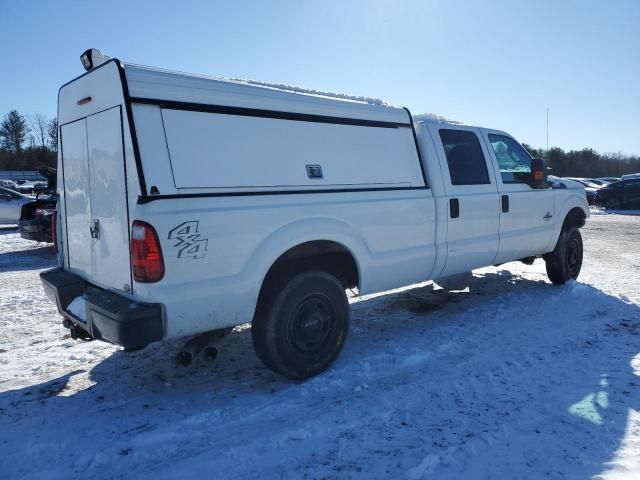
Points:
(11, 203)
(190, 205)
(631, 176)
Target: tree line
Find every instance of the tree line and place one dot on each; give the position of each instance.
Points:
(29, 142)
(586, 163)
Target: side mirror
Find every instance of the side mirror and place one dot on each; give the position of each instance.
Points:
(538, 173)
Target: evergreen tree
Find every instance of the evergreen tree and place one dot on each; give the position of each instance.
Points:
(13, 132)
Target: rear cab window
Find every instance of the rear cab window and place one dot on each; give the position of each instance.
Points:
(467, 165)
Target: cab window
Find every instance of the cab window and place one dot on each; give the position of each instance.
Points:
(513, 160)
(467, 165)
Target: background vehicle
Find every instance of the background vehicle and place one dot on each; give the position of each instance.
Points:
(598, 182)
(590, 188)
(11, 203)
(610, 179)
(36, 217)
(31, 187)
(621, 195)
(189, 205)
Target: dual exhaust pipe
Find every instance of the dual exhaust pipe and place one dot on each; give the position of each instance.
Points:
(202, 344)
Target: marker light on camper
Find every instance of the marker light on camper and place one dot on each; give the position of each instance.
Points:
(92, 58)
(85, 58)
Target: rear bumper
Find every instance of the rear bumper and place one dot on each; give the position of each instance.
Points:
(108, 315)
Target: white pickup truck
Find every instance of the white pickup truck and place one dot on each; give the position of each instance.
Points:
(191, 204)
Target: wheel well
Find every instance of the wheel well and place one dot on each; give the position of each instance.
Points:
(318, 255)
(575, 218)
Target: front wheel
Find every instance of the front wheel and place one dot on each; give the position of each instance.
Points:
(303, 329)
(565, 262)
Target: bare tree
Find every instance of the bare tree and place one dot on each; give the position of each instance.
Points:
(52, 134)
(39, 126)
(13, 132)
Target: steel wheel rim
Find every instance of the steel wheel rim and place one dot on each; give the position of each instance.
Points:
(311, 324)
(573, 256)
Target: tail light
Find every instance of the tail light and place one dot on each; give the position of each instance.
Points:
(54, 231)
(146, 254)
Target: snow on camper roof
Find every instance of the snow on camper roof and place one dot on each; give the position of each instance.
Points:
(158, 84)
(433, 118)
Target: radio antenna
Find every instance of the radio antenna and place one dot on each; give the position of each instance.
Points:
(547, 133)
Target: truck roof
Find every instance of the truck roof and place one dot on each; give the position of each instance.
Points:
(159, 84)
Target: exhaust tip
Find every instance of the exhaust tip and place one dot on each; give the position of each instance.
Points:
(184, 358)
(210, 353)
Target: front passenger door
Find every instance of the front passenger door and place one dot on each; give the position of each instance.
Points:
(526, 214)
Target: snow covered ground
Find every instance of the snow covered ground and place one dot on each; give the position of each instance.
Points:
(509, 378)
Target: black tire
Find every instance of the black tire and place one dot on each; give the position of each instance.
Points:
(301, 332)
(612, 204)
(565, 262)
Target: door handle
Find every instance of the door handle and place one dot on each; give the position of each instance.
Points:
(454, 207)
(95, 229)
(505, 203)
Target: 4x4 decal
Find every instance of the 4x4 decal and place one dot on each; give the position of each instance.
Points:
(188, 241)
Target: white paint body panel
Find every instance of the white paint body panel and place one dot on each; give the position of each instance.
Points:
(77, 196)
(527, 228)
(94, 190)
(396, 236)
(213, 150)
(110, 262)
(472, 238)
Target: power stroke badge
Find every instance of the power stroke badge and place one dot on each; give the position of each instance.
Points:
(187, 241)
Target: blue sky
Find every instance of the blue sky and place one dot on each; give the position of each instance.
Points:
(491, 63)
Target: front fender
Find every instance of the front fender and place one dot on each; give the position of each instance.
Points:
(564, 204)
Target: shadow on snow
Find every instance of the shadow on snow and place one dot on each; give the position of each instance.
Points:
(563, 381)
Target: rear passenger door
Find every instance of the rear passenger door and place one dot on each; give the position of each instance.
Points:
(472, 198)
(526, 214)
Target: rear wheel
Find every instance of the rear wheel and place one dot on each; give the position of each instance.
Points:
(302, 330)
(613, 204)
(565, 262)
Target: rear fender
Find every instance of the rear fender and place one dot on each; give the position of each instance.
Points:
(301, 231)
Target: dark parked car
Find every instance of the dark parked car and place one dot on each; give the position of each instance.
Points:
(36, 217)
(589, 188)
(624, 194)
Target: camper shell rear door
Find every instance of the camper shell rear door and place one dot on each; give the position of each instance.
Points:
(94, 189)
